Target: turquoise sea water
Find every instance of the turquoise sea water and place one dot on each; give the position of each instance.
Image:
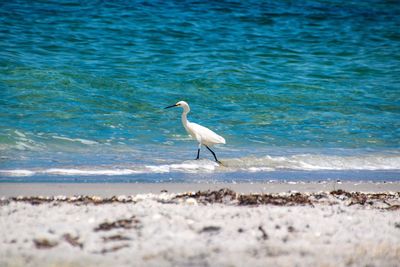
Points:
(299, 90)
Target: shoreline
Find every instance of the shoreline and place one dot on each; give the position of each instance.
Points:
(113, 189)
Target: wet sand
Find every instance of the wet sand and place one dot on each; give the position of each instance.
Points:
(111, 189)
(255, 227)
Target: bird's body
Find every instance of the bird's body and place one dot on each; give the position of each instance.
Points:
(203, 135)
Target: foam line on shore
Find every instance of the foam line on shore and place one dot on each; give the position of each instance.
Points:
(303, 162)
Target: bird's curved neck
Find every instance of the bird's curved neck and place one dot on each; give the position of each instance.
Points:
(184, 118)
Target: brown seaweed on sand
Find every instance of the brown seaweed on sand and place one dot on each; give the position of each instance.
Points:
(228, 196)
(128, 223)
(78, 200)
(223, 195)
(210, 229)
(113, 249)
(115, 238)
(73, 241)
(264, 234)
(277, 200)
(43, 243)
(357, 198)
(386, 200)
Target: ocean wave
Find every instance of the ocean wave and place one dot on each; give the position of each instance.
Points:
(304, 162)
(310, 162)
(80, 140)
(68, 172)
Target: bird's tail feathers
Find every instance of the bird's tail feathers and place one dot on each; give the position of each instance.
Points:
(222, 140)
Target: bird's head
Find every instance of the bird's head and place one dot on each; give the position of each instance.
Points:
(181, 104)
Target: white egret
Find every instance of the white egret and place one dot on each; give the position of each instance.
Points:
(202, 134)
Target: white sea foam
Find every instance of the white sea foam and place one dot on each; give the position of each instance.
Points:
(306, 162)
(68, 172)
(17, 173)
(311, 162)
(188, 166)
(90, 172)
(23, 146)
(159, 169)
(19, 134)
(196, 165)
(80, 140)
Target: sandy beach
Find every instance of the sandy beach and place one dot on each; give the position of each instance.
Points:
(310, 226)
(199, 133)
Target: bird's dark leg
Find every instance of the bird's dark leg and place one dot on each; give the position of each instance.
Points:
(215, 157)
(198, 152)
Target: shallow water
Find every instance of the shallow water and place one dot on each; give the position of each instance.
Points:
(293, 87)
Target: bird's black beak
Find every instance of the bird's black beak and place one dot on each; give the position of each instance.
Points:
(171, 106)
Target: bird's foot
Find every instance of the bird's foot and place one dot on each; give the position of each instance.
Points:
(219, 162)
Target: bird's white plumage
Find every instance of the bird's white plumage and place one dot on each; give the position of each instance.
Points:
(202, 134)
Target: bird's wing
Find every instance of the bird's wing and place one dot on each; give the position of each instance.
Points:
(207, 136)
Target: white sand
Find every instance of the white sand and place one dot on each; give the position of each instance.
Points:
(187, 233)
